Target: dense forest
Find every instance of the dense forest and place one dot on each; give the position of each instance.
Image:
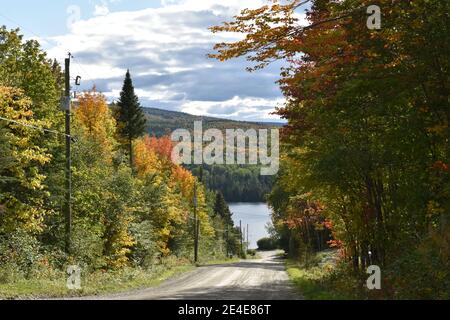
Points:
(163, 122)
(238, 183)
(128, 212)
(366, 152)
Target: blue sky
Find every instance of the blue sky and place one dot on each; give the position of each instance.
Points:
(164, 43)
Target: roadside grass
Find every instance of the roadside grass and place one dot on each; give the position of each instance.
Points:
(96, 283)
(218, 261)
(257, 256)
(50, 284)
(320, 278)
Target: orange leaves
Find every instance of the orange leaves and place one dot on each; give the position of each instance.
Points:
(93, 112)
(440, 165)
(266, 32)
(146, 160)
(185, 180)
(95, 119)
(153, 155)
(161, 146)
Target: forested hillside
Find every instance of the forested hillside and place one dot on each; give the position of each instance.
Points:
(237, 183)
(163, 122)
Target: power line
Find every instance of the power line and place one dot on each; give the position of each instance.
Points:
(35, 127)
(20, 26)
(298, 5)
(299, 29)
(83, 70)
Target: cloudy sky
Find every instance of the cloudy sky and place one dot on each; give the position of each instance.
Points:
(164, 43)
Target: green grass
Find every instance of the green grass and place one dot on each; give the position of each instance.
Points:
(315, 280)
(92, 284)
(219, 261)
(52, 284)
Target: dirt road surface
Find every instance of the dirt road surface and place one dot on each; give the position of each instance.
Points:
(262, 279)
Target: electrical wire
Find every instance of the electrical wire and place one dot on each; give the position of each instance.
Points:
(20, 26)
(83, 70)
(35, 127)
(80, 67)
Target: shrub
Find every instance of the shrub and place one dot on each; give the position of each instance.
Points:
(265, 244)
(145, 251)
(19, 255)
(87, 246)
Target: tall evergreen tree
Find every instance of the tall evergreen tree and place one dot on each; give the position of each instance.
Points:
(222, 210)
(130, 116)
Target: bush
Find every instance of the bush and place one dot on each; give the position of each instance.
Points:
(145, 251)
(19, 256)
(265, 244)
(420, 273)
(87, 246)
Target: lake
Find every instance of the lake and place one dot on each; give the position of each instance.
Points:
(257, 215)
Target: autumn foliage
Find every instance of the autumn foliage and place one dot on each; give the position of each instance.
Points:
(367, 139)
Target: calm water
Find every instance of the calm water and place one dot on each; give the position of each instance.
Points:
(257, 215)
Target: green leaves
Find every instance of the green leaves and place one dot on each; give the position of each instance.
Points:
(368, 111)
(23, 188)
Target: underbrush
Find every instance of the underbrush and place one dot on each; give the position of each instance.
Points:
(421, 273)
(50, 283)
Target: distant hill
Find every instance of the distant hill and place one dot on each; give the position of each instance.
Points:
(162, 122)
(238, 183)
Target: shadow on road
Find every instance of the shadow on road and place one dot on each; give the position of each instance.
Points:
(276, 291)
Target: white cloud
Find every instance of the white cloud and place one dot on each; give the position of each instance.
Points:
(101, 10)
(238, 108)
(165, 48)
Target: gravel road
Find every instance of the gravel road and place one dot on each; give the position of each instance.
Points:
(262, 279)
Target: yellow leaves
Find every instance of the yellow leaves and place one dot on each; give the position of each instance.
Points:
(119, 243)
(184, 179)
(15, 213)
(438, 129)
(265, 29)
(95, 118)
(93, 112)
(14, 105)
(433, 209)
(22, 208)
(146, 160)
(164, 236)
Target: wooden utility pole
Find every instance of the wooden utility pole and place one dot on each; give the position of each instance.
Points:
(226, 241)
(196, 225)
(242, 245)
(248, 243)
(68, 197)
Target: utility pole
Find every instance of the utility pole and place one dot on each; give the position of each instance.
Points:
(196, 224)
(242, 245)
(226, 241)
(248, 243)
(68, 202)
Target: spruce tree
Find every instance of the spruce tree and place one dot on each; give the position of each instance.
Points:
(130, 116)
(222, 210)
